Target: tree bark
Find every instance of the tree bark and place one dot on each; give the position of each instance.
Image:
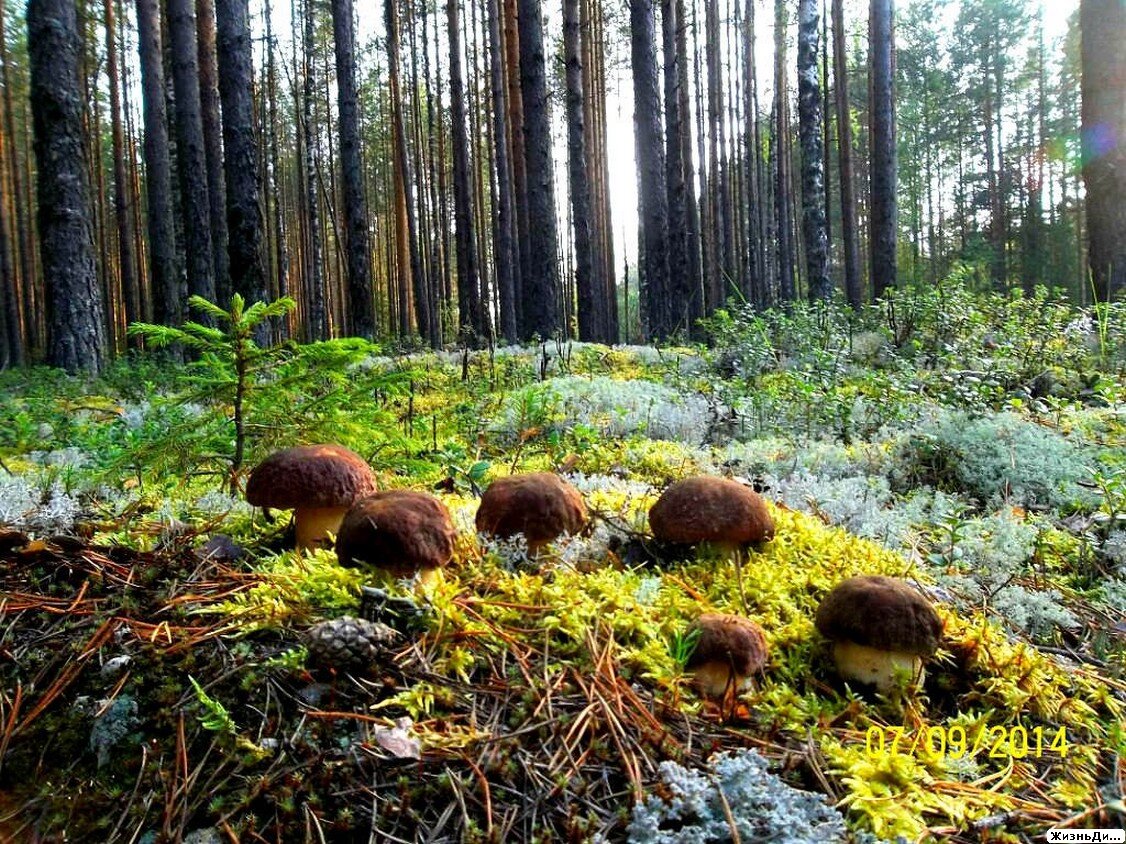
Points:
(505, 254)
(428, 326)
(1103, 30)
(166, 273)
(468, 284)
(814, 230)
(190, 153)
(241, 162)
(317, 325)
(883, 200)
(581, 209)
(676, 191)
(355, 203)
(130, 287)
(75, 319)
(853, 289)
(653, 206)
(540, 278)
(780, 151)
(213, 145)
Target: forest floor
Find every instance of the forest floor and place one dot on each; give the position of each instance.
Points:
(154, 680)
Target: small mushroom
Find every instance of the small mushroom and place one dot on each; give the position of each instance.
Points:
(881, 629)
(705, 509)
(541, 505)
(729, 651)
(318, 482)
(399, 531)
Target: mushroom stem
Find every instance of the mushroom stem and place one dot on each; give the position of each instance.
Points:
(314, 524)
(883, 669)
(715, 678)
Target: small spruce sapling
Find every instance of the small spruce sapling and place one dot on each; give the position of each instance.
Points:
(231, 362)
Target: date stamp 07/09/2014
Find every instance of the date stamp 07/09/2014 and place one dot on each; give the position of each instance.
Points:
(995, 742)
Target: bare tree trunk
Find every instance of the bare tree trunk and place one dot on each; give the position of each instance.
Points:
(129, 286)
(281, 253)
(883, 186)
(213, 145)
(780, 150)
(516, 146)
(541, 287)
(653, 257)
(505, 254)
(468, 285)
(697, 301)
(355, 204)
(581, 211)
(76, 332)
(676, 191)
(853, 288)
(243, 178)
(318, 328)
(428, 327)
(1103, 27)
(21, 320)
(166, 273)
(190, 153)
(814, 229)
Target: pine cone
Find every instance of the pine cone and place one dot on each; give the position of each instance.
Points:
(348, 644)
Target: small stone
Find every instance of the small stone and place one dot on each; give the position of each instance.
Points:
(114, 668)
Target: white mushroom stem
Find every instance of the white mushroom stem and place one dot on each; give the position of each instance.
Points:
(883, 669)
(314, 524)
(714, 678)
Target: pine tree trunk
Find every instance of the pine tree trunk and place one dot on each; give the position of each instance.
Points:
(317, 328)
(516, 146)
(281, 252)
(75, 318)
(241, 163)
(468, 284)
(698, 301)
(541, 286)
(355, 203)
(653, 206)
(581, 209)
(428, 327)
(883, 168)
(123, 216)
(812, 150)
(213, 145)
(1103, 27)
(21, 322)
(780, 151)
(191, 156)
(853, 288)
(676, 191)
(166, 273)
(505, 254)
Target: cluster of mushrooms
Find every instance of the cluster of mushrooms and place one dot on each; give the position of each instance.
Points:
(881, 628)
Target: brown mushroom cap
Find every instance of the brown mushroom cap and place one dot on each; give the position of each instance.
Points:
(731, 640)
(540, 505)
(399, 530)
(882, 613)
(312, 476)
(710, 509)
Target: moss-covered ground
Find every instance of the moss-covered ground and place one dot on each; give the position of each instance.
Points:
(154, 684)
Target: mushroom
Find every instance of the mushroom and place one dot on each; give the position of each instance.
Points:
(729, 650)
(881, 628)
(705, 509)
(399, 531)
(318, 482)
(540, 505)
